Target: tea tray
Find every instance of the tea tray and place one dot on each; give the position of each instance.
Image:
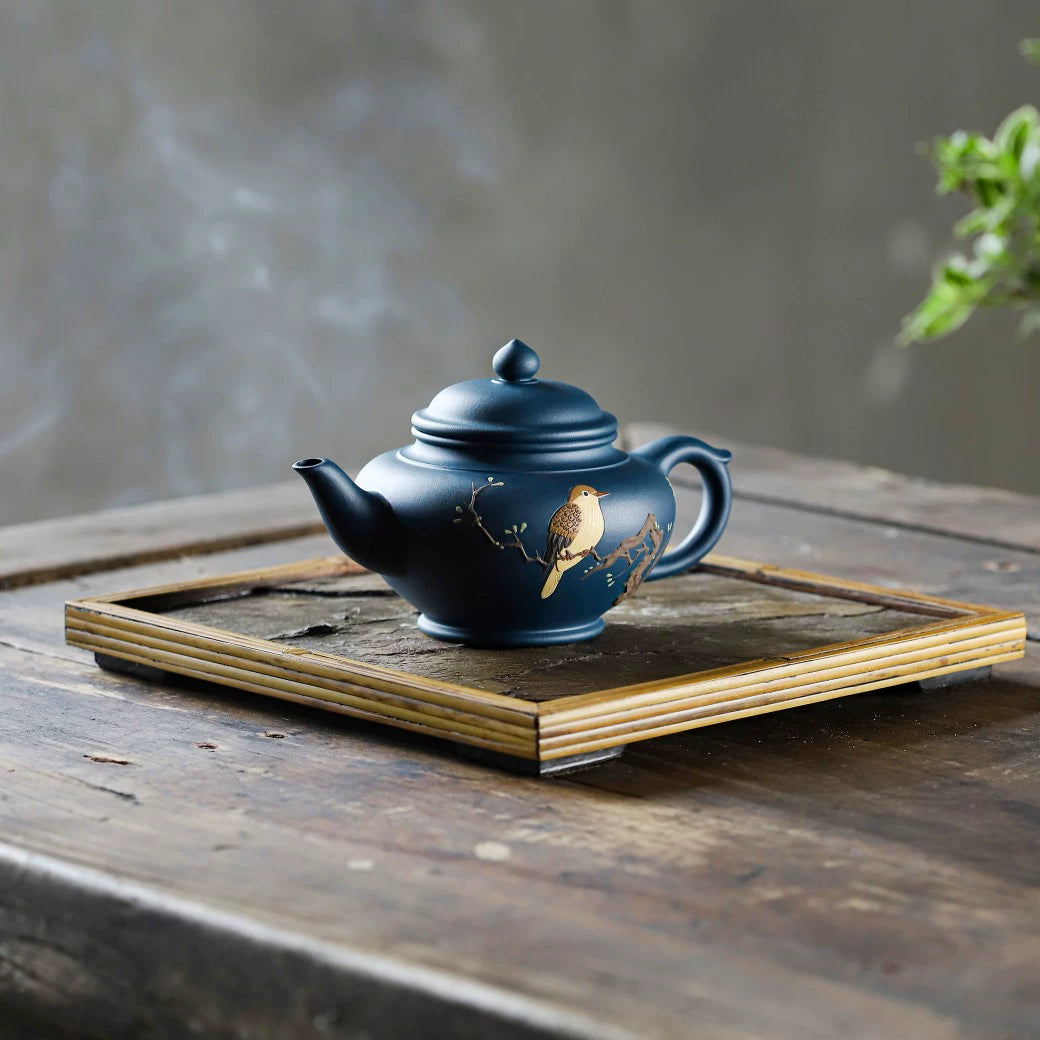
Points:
(731, 638)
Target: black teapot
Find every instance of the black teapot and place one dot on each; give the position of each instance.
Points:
(512, 520)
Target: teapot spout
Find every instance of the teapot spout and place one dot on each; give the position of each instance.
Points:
(361, 523)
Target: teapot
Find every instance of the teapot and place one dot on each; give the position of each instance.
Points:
(513, 519)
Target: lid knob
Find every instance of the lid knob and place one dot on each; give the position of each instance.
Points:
(516, 362)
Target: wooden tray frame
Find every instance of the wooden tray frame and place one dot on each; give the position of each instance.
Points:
(548, 736)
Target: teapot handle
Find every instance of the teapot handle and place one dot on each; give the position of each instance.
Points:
(665, 454)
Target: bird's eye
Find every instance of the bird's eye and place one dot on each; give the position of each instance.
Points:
(585, 493)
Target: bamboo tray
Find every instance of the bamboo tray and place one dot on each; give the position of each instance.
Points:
(730, 639)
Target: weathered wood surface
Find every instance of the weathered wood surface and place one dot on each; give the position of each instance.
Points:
(770, 475)
(52, 549)
(859, 868)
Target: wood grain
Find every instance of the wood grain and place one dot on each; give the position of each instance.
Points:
(51, 549)
(859, 868)
(216, 976)
(990, 516)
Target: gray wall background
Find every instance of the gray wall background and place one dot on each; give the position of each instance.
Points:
(235, 233)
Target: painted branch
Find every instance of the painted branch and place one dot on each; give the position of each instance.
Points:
(637, 553)
(628, 545)
(640, 570)
(478, 522)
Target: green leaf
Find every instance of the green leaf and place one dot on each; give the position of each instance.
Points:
(977, 221)
(991, 246)
(956, 273)
(1030, 50)
(944, 310)
(989, 189)
(932, 320)
(1015, 130)
(1029, 160)
(992, 218)
(1001, 177)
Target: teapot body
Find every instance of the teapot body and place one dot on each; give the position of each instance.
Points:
(512, 520)
(499, 557)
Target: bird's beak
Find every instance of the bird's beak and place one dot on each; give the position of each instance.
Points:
(601, 494)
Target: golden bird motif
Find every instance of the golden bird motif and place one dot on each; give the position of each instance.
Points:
(574, 529)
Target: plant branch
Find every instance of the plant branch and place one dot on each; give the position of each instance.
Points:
(1001, 176)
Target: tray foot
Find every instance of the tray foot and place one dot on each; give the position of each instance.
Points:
(132, 668)
(530, 767)
(937, 682)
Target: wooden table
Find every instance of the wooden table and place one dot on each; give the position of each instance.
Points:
(177, 860)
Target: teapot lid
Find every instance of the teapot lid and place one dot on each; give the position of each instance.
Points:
(515, 411)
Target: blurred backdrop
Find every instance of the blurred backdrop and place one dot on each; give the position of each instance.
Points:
(236, 233)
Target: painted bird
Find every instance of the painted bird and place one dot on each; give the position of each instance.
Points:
(574, 528)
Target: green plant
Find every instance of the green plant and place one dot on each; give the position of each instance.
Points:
(1002, 178)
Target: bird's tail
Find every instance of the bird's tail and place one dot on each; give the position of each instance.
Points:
(551, 582)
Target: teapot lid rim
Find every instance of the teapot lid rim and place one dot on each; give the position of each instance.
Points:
(515, 410)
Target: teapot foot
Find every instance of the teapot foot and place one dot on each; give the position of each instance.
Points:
(511, 637)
